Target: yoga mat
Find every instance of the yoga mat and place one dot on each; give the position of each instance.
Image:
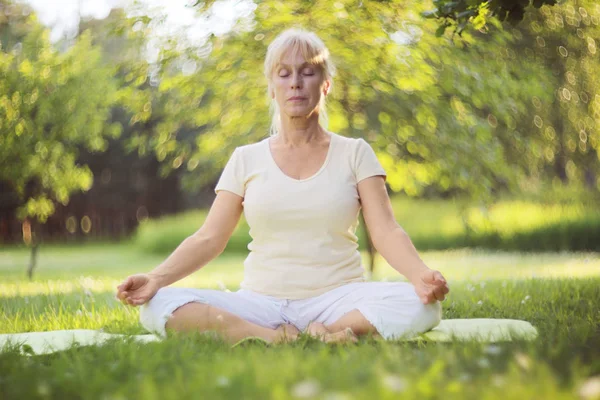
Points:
(51, 341)
(479, 329)
(471, 329)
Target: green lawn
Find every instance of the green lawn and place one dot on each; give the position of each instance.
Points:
(73, 288)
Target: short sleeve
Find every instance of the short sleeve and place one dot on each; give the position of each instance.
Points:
(232, 177)
(366, 162)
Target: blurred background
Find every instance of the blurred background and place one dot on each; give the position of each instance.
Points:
(117, 116)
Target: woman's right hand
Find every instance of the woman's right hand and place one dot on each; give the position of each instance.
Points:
(137, 289)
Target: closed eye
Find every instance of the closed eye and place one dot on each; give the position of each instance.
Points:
(284, 73)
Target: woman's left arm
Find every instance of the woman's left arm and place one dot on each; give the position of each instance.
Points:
(394, 244)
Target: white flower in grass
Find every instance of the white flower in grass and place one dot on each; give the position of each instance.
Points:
(523, 360)
(222, 381)
(483, 362)
(493, 349)
(590, 389)
(43, 389)
(482, 284)
(470, 287)
(307, 388)
(88, 292)
(480, 302)
(394, 383)
(78, 312)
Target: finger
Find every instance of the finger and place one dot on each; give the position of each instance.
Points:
(439, 277)
(439, 294)
(137, 301)
(126, 284)
(431, 295)
(431, 275)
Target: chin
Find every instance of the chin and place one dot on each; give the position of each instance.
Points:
(299, 111)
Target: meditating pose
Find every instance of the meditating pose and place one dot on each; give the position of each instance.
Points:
(301, 189)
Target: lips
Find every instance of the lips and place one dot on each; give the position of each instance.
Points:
(296, 98)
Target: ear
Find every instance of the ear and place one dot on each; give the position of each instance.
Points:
(270, 90)
(326, 86)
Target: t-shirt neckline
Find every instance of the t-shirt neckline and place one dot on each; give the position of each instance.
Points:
(327, 157)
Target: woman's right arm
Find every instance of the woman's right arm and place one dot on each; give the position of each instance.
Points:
(205, 244)
(192, 254)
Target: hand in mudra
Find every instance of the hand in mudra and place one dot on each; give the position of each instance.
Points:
(137, 289)
(431, 286)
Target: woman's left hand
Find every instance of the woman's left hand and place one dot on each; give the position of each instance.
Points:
(431, 286)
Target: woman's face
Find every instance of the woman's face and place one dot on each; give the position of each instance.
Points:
(297, 86)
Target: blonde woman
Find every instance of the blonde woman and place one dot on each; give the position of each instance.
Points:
(300, 189)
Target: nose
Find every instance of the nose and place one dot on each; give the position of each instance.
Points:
(296, 81)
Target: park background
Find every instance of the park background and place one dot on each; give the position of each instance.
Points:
(116, 119)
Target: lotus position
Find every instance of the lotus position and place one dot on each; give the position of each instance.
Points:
(301, 189)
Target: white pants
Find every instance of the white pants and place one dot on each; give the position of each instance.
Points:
(393, 308)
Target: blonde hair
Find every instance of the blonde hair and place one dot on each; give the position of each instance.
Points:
(314, 52)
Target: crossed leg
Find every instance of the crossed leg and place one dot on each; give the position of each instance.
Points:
(356, 321)
(201, 317)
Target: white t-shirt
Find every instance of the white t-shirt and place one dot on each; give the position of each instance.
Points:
(303, 231)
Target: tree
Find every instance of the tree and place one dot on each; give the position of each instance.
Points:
(564, 40)
(50, 103)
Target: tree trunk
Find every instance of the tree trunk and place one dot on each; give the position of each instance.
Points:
(590, 178)
(560, 160)
(35, 243)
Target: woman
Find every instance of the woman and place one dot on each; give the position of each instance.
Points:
(301, 190)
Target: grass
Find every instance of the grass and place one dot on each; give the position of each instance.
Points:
(74, 289)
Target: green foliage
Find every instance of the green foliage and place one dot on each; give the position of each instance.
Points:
(462, 13)
(443, 117)
(51, 102)
(474, 118)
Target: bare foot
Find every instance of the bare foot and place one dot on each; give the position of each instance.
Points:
(318, 330)
(286, 333)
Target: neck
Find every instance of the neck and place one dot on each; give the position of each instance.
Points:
(298, 131)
